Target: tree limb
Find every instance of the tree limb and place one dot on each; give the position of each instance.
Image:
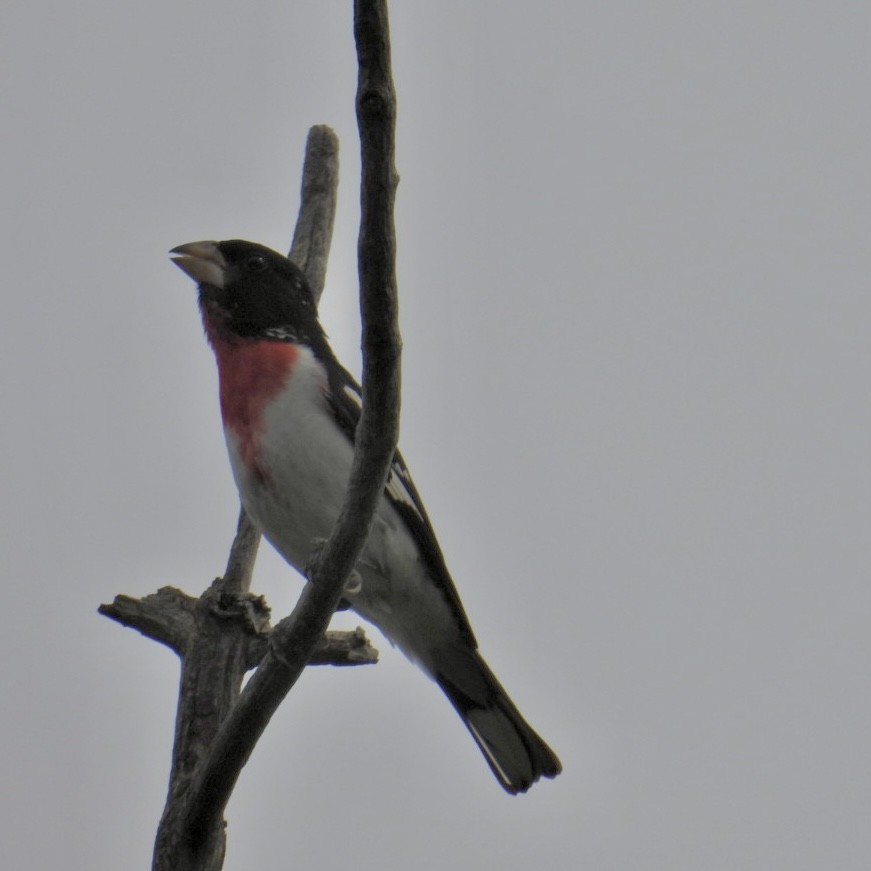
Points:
(165, 616)
(168, 616)
(314, 226)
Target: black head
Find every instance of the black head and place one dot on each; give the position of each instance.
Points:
(249, 291)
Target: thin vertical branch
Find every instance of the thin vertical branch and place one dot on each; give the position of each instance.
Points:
(314, 226)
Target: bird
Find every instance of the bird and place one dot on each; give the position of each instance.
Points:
(290, 410)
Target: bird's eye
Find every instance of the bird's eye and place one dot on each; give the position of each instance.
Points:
(255, 263)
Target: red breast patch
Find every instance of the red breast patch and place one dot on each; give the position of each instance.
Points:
(251, 374)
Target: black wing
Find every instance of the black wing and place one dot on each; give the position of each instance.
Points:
(346, 403)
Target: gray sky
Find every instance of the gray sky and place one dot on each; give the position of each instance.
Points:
(634, 273)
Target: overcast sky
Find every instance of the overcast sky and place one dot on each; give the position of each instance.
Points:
(633, 266)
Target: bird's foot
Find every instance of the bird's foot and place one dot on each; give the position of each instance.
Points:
(352, 586)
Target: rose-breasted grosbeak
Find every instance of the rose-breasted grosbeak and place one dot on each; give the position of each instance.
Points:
(290, 411)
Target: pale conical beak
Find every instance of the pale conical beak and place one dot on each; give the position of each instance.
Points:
(202, 261)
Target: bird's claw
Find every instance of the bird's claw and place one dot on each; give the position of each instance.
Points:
(352, 586)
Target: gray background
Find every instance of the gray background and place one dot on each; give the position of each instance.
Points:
(634, 272)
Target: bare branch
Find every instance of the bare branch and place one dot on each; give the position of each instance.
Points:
(314, 226)
(166, 616)
(243, 553)
(295, 637)
(344, 648)
(334, 647)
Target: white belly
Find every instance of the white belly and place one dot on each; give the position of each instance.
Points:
(307, 461)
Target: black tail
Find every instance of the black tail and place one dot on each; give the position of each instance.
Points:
(514, 752)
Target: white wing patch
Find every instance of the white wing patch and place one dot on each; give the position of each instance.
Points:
(398, 482)
(353, 394)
